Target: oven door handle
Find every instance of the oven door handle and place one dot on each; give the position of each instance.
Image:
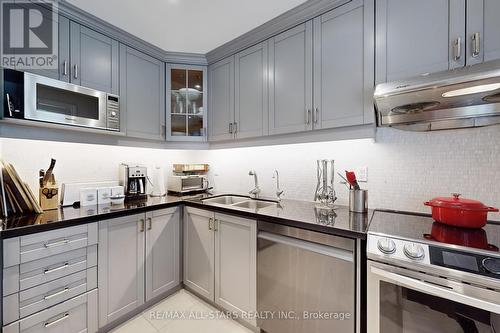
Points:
(433, 289)
(330, 251)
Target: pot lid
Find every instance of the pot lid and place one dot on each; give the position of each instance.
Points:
(455, 202)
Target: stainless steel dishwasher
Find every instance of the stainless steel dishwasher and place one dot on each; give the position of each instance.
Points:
(305, 281)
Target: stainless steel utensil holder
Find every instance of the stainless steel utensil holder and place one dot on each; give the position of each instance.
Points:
(358, 201)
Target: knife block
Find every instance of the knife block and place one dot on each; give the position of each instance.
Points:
(49, 196)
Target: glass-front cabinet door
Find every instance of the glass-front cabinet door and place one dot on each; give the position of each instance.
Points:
(187, 108)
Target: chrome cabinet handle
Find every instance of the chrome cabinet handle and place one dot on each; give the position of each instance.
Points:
(231, 128)
(48, 271)
(141, 225)
(75, 71)
(65, 68)
(308, 116)
(57, 321)
(476, 44)
(457, 49)
(235, 128)
(65, 290)
(150, 224)
(316, 115)
(56, 244)
(210, 223)
(216, 222)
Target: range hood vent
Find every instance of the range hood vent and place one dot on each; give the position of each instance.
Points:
(460, 98)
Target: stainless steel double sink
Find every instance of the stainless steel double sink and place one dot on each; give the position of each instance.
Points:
(240, 202)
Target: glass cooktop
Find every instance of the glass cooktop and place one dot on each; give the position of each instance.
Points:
(422, 228)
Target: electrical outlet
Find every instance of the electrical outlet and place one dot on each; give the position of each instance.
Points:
(362, 174)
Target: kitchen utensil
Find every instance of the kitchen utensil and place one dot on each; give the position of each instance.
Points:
(351, 178)
(476, 238)
(358, 201)
(459, 212)
(345, 182)
(49, 171)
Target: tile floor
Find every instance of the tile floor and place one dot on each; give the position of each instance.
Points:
(198, 317)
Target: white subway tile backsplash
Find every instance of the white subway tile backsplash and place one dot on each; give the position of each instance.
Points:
(405, 168)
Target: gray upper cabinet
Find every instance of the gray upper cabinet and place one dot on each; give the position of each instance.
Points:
(290, 80)
(142, 92)
(120, 266)
(199, 242)
(251, 92)
(162, 251)
(186, 102)
(62, 71)
(94, 59)
(343, 66)
(221, 99)
(418, 37)
(483, 31)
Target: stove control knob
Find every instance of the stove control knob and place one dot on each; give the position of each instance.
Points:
(492, 265)
(414, 251)
(386, 245)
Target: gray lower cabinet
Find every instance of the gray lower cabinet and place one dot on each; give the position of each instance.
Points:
(162, 252)
(120, 266)
(76, 315)
(94, 59)
(290, 80)
(251, 92)
(220, 258)
(138, 260)
(199, 244)
(343, 80)
(236, 264)
(142, 92)
(221, 100)
(406, 46)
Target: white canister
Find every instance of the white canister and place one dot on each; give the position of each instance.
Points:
(103, 195)
(158, 182)
(88, 197)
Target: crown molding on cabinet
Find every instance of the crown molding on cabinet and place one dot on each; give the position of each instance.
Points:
(295, 16)
(76, 14)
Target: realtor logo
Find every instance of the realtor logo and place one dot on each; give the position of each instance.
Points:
(29, 34)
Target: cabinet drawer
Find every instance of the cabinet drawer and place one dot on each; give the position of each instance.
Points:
(76, 315)
(30, 301)
(34, 273)
(27, 248)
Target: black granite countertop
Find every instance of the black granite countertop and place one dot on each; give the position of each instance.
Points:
(301, 214)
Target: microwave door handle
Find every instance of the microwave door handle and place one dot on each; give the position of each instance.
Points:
(427, 288)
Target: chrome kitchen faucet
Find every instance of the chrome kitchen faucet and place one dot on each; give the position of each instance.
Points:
(256, 191)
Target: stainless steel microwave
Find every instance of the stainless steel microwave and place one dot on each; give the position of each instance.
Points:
(34, 97)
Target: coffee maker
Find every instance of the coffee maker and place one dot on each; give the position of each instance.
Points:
(134, 181)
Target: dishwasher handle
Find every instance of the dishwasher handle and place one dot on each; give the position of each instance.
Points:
(330, 251)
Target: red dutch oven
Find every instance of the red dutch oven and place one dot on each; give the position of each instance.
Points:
(458, 212)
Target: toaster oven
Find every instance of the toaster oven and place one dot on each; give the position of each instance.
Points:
(187, 183)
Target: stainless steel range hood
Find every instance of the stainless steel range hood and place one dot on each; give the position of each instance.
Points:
(465, 97)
